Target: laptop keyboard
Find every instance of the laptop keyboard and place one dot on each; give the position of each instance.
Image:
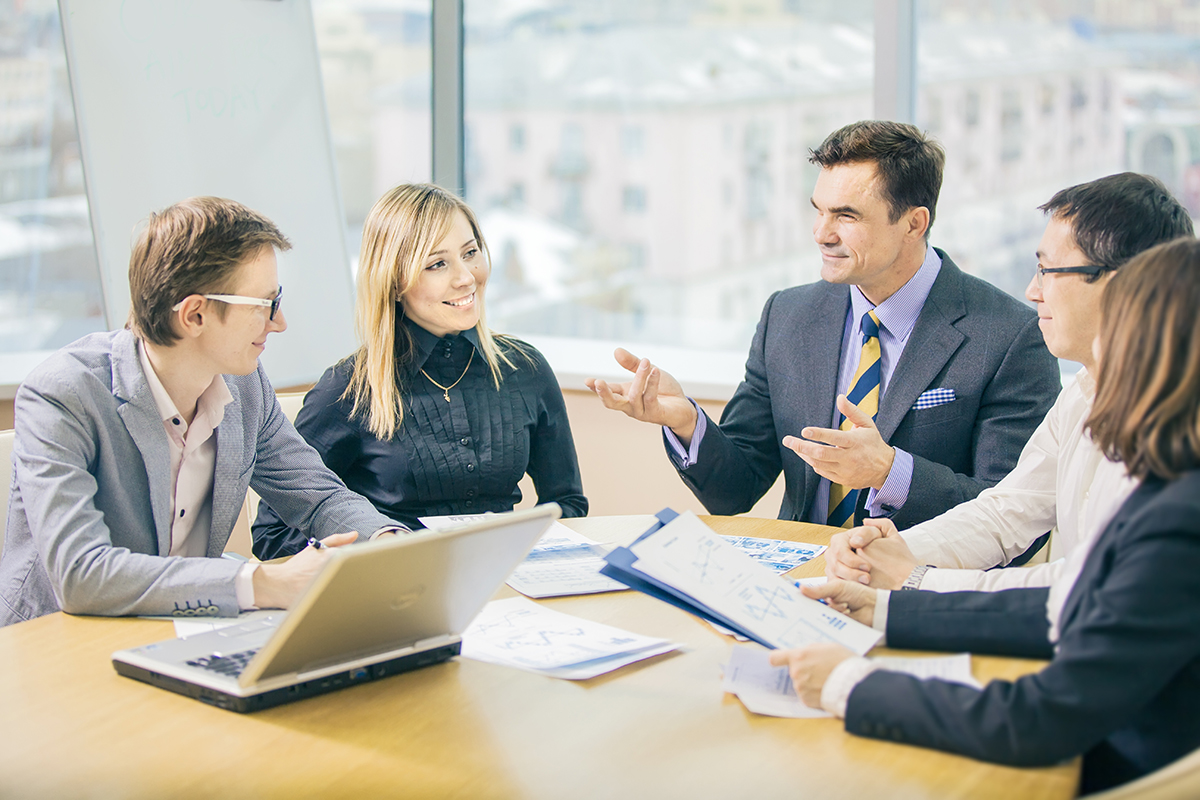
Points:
(230, 664)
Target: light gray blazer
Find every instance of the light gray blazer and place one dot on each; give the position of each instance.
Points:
(88, 522)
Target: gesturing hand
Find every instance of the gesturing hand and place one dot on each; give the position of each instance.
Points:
(858, 458)
(652, 396)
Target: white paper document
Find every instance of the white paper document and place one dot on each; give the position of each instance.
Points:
(686, 554)
(764, 689)
(955, 668)
(768, 690)
(450, 520)
(776, 555)
(520, 633)
(563, 562)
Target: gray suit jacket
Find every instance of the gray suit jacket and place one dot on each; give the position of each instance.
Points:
(88, 523)
(970, 337)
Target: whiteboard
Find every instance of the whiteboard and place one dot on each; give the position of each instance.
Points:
(178, 98)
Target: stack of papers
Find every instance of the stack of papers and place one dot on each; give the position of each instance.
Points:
(519, 633)
(686, 564)
(768, 690)
(563, 562)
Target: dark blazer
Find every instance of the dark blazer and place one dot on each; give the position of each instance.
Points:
(970, 337)
(1123, 687)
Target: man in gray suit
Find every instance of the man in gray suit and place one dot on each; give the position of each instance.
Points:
(912, 385)
(134, 448)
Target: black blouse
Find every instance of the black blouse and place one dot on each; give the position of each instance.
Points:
(459, 457)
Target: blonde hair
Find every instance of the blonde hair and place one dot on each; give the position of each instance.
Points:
(402, 228)
(1147, 408)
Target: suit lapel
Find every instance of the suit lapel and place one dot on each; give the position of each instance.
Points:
(228, 493)
(933, 341)
(821, 355)
(140, 416)
(820, 346)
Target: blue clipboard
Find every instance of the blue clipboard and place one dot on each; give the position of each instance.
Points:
(620, 566)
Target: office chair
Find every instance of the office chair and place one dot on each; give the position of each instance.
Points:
(1177, 781)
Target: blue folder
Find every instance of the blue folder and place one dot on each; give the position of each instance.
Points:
(620, 566)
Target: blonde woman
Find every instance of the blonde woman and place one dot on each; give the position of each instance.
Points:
(434, 414)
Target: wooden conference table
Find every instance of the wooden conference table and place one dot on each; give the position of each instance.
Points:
(71, 727)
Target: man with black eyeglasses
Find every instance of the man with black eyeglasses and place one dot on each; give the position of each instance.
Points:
(1061, 480)
(134, 448)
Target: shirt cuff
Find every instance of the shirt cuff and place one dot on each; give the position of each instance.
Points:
(396, 529)
(243, 586)
(879, 620)
(894, 492)
(688, 456)
(952, 580)
(835, 694)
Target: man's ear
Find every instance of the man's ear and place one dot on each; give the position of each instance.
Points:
(191, 316)
(918, 222)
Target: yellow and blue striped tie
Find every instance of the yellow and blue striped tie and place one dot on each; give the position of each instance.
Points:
(864, 393)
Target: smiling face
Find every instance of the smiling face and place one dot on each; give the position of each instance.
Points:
(1068, 305)
(859, 243)
(448, 292)
(232, 345)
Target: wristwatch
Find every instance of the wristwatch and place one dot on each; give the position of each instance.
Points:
(913, 581)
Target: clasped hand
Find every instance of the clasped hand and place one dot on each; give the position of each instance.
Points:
(858, 458)
(874, 554)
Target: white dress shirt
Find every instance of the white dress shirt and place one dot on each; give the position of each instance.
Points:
(1061, 481)
(193, 450)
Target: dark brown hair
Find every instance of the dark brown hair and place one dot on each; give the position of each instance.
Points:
(1147, 409)
(192, 247)
(1118, 216)
(909, 164)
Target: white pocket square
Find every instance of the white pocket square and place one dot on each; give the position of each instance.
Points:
(934, 397)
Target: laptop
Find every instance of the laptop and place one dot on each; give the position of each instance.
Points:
(376, 609)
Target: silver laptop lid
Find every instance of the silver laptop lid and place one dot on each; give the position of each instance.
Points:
(389, 594)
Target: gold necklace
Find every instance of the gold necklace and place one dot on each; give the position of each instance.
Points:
(446, 389)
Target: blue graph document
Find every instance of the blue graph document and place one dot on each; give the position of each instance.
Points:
(776, 554)
(687, 564)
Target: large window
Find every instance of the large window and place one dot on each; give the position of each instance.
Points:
(1031, 97)
(640, 169)
(49, 280)
(375, 61)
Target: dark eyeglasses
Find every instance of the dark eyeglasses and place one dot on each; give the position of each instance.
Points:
(1090, 271)
(241, 300)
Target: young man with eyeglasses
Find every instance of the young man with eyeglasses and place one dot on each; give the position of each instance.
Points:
(1061, 480)
(134, 448)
